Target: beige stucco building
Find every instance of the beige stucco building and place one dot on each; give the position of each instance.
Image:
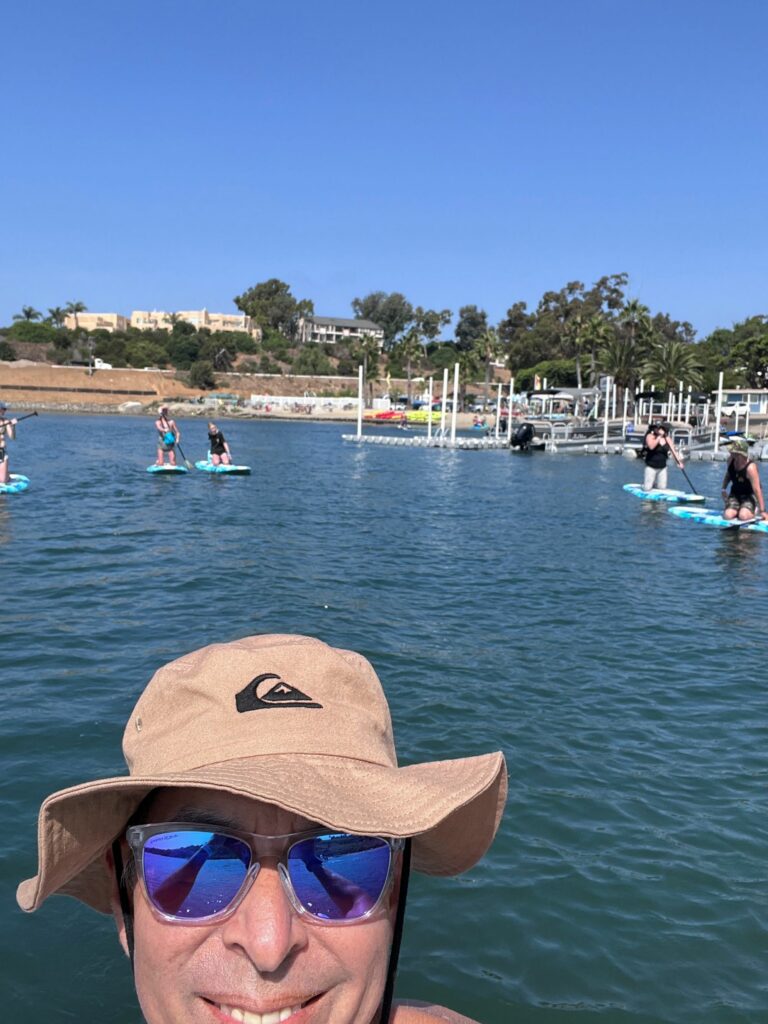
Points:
(160, 320)
(332, 329)
(96, 322)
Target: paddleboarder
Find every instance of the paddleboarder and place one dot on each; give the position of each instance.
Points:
(220, 453)
(745, 498)
(7, 432)
(658, 446)
(168, 436)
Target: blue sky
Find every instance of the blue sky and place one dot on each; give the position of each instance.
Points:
(170, 154)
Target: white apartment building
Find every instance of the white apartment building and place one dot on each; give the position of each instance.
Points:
(332, 329)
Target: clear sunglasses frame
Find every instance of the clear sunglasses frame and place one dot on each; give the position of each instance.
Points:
(261, 846)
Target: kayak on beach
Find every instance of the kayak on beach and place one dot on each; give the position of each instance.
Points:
(681, 497)
(17, 483)
(711, 517)
(166, 469)
(208, 467)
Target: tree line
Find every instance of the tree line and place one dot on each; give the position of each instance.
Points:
(572, 337)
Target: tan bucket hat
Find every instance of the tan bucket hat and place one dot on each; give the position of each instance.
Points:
(283, 719)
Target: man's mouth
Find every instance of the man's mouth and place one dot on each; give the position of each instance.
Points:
(238, 1013)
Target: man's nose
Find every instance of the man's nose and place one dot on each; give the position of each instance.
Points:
(265, 925)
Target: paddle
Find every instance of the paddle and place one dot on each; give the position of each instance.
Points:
(680, 467)
(187, 463)
(4, 423)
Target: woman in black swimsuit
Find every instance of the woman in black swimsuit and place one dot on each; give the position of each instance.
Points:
(219, 448)
(745, 498)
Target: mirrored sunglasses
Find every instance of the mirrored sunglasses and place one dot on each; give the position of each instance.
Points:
(193, 874)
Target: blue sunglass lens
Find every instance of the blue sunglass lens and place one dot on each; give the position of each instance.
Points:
(194, 874)
(339, 877)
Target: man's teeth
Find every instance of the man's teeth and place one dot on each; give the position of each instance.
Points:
(260, 1018)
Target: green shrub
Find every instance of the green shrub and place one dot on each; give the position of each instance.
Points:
(28, 330)
(266, 365)
(201, 375)
(145, 353)
(312, 360)
(7, 352)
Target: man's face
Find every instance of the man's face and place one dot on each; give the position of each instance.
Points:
(263, 960)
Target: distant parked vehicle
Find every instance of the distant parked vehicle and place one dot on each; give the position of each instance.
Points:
(736, 409)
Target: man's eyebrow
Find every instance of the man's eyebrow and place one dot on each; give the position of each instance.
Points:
(198, 816)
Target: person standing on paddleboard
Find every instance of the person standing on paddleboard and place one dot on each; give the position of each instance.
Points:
(658, 447)
(168, 436)
(745, 499)
(7, 430)
(218, 446)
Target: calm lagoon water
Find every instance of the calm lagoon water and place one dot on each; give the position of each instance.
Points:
(517, 602)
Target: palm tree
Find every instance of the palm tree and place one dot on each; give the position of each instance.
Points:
(73, 308)
(620, 359)
(411, 350)
(596, 333)
(486, 347)
(671, 361)
(637, 319)
(28, 313)
(173, 319)
(57, 315)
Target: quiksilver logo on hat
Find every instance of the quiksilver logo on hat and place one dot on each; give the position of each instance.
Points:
(260, 694)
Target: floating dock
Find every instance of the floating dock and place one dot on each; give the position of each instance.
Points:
(474, 444)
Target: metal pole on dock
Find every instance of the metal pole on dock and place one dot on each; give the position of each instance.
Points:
(509, 413)
(718, 410)
(360, 401)
(624, 416)
(688, 406)
(445, 400)
(746, 419)
(613, 404)
(498, 408)
(608, 382)
(429, 414)
(639, 415)
(454, 410)
(680, 401)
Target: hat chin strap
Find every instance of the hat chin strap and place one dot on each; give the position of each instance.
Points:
(397, 934)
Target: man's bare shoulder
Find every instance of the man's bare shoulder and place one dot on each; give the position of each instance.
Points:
(410, 1012)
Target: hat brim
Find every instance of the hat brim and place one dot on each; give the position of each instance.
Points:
(451, 809)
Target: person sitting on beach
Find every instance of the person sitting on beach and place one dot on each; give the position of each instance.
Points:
(7, 432)
(256, 857)
(745, 499)
(168, 436)
(657, 447)
(219, 449)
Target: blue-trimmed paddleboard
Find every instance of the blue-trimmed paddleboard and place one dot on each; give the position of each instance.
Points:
(711, 517)
(166, 469)
(18, 483)
(208, 467)
(680, 497)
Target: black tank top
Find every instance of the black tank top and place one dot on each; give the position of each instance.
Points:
(656, 457)
(741, 485)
